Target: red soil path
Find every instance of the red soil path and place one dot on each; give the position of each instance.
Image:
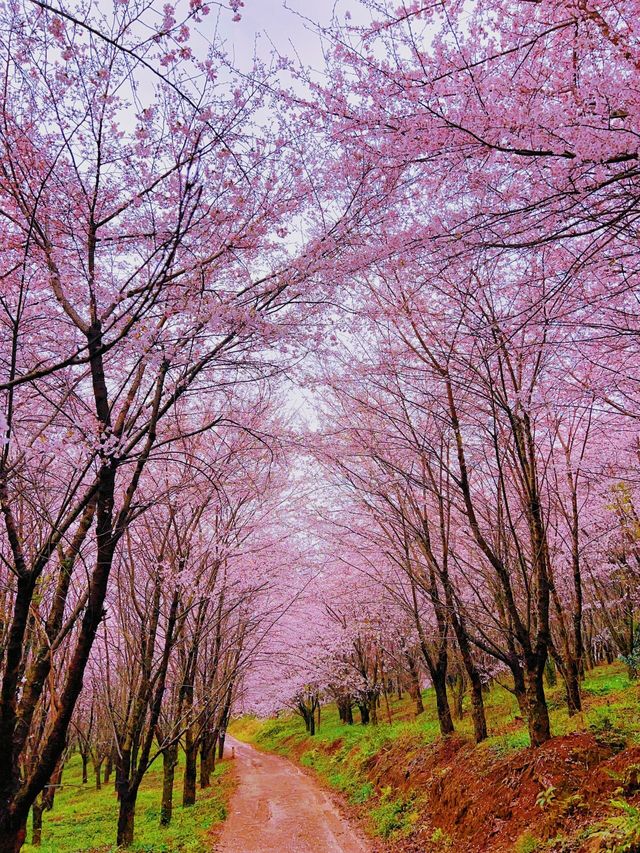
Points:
(278, 809)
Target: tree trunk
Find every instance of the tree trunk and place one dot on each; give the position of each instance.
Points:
(13, 824)
(477, 702)
(477, 707)
(190, 771)
(519, 688)
(98, 771)
(205, 759)
(569, 668)
(572, 687)
(577, 663)
(126, 818)
(49, 793)
(414, 684)
(108, 767)
(85, 766)
(387, 705)
(568, 663)
(346, 711)
(12, 838)
(588, 658)
(169, 761)
(537, 710)
(221, 738)
(349, 713)
(437, 670)
(36, 816)
(442, 702)
(364, 713)
(123, 767)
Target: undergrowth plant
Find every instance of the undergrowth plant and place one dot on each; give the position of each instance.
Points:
(393, 816)
(620, 833)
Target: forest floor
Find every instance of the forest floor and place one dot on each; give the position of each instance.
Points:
(278, 808)
(414, 791)
(84, 819)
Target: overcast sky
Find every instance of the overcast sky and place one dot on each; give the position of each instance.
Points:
(267, 22)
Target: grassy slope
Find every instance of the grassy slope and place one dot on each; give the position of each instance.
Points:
(351, 759)
(84, 819)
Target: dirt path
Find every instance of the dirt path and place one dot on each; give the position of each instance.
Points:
(278, 809)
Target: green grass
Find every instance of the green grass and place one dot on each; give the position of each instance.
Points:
(341, 755)
(393, 816)
(84, 819)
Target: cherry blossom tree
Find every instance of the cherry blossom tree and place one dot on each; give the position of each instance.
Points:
(145, 265)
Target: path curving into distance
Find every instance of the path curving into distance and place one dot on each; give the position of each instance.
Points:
(278, 809)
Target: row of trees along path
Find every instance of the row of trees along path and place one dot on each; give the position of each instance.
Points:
(440, 243)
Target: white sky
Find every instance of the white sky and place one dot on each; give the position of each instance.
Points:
(267, 22)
